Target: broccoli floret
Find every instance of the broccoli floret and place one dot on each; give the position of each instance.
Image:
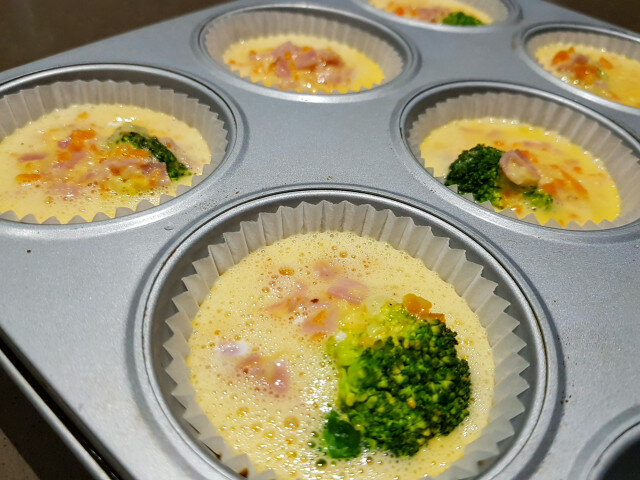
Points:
(402, 389)
(476, 171)
(461, 19)
(538, 199)
(137, 138)
(341, 438)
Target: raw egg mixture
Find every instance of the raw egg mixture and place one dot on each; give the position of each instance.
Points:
(259, 365)
(432, 11)
(87, 159)
(578, 183)
(303, 63)
(596, 70)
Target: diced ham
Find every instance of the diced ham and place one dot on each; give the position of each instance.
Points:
(519, 169)
(273, 373)
(251, 365)
(324, 270)
(157, 172)
(320, 318)
(282, 68)
(282, 50)
(64, 143)
(307, 60)
(350, 290)
(279, 378)
(234, 349)
(29, 157)
(329, 57)
(433, 14)
(66, 190)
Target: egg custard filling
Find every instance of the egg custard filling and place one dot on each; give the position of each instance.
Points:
(523, 168)
(319, 356)
(596, 70)
(446, 12)
(303, 63)
(94, 158)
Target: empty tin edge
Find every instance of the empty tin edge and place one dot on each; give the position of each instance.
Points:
(405, 49)
(539, 414)
(227, 111)
(523, 37)
(514, 14)
(603, 448)
(400, 130)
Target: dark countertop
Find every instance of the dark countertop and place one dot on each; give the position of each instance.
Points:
(33, 29)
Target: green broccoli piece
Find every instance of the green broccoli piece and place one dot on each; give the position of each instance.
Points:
(402, 389)
(341, 438)
(538, 199)
(477, 171)
(138, 138)
(461, 19)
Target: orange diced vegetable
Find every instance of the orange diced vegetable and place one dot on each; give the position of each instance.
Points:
(604, 63)
(28, 177)
(416, 306)
(560, 57)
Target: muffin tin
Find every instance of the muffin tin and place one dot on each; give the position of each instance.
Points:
(94, 292)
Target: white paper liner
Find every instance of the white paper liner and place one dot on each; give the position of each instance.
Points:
(227, 30)
(18, 109)
(620, 161)
(495, 9)
(401, 232)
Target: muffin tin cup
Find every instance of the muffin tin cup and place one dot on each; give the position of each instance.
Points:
(20, 108)
(610, 41)
(228, 29)
(496, 9)
(618, 159)
(402, 233)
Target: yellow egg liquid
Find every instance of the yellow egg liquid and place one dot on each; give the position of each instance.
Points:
(365, 73)
(277, 430)
(404, 8)
(580, 185)
(622, 75)
(41, 136)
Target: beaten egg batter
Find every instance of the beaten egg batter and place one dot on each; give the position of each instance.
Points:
(429, 10)
(580, 185)
(603, 73)
(347, 69)
(60, 165)
(259, 365)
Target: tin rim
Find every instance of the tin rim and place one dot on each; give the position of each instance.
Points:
(163, 284)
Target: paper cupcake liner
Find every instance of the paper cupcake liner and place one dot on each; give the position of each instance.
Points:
(496, 9)
(227, 30)
(18, 109)
(402, 233)
(620, 161)
(611, 43)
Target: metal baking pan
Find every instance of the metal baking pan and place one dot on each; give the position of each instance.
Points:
(90, 292)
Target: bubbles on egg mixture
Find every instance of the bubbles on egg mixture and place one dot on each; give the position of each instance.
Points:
(277, 430)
